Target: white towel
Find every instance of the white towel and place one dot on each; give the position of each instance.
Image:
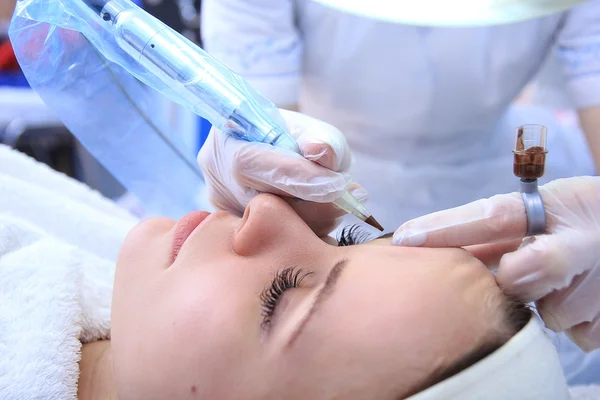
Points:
(60, 206)
(58, 243)
(58, 246)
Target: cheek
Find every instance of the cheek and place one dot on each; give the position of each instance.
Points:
(140, 265)
(140, 261)
(191, 327)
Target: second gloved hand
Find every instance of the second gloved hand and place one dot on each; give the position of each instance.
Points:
(236, 171)
(559, 270)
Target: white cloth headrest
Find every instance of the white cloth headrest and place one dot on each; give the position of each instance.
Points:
(526, 367)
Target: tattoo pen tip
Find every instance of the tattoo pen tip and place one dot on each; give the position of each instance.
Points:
(373, 222)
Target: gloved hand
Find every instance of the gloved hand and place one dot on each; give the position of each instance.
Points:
(236, 171)
(560, 270)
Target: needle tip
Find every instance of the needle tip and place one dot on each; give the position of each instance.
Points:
(373, 222)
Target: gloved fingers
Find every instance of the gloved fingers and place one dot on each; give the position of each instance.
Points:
(323, 218)
(236, 171)
(491, 254)
(319, 141)
(572, 202)
(211, 155)
(499, 218)
(548, 263)
(216, 158)
(282, 172)
(586, 335)
(575, 304)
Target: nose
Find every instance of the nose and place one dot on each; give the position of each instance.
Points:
(268, 222)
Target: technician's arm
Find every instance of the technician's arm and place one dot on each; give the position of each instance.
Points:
(579, 53)
(258, 40)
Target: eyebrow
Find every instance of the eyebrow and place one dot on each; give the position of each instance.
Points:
(324, 293)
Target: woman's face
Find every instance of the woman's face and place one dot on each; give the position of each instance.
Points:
(195, 314)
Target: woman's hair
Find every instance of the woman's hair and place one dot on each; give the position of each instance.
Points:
(515, 314)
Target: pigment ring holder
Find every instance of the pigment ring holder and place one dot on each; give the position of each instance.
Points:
(534, 208)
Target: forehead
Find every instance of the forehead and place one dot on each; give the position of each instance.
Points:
(402, 276)
(402, 309)
(421, 270)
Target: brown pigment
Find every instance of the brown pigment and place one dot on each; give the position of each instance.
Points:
(529, 164)
(373, 222)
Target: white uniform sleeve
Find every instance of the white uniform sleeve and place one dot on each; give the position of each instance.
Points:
(579, 53)
(258, 40)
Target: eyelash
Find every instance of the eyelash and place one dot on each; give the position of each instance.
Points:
(285, 279)
(353, 234)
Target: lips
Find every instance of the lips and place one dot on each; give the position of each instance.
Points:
(184, 228)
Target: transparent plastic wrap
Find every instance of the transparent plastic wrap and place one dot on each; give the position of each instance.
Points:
(100, 65)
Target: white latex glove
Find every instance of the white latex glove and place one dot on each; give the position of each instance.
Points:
(560, 270)
(236, 171)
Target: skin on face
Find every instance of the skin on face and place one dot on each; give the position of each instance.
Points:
(193, 328)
